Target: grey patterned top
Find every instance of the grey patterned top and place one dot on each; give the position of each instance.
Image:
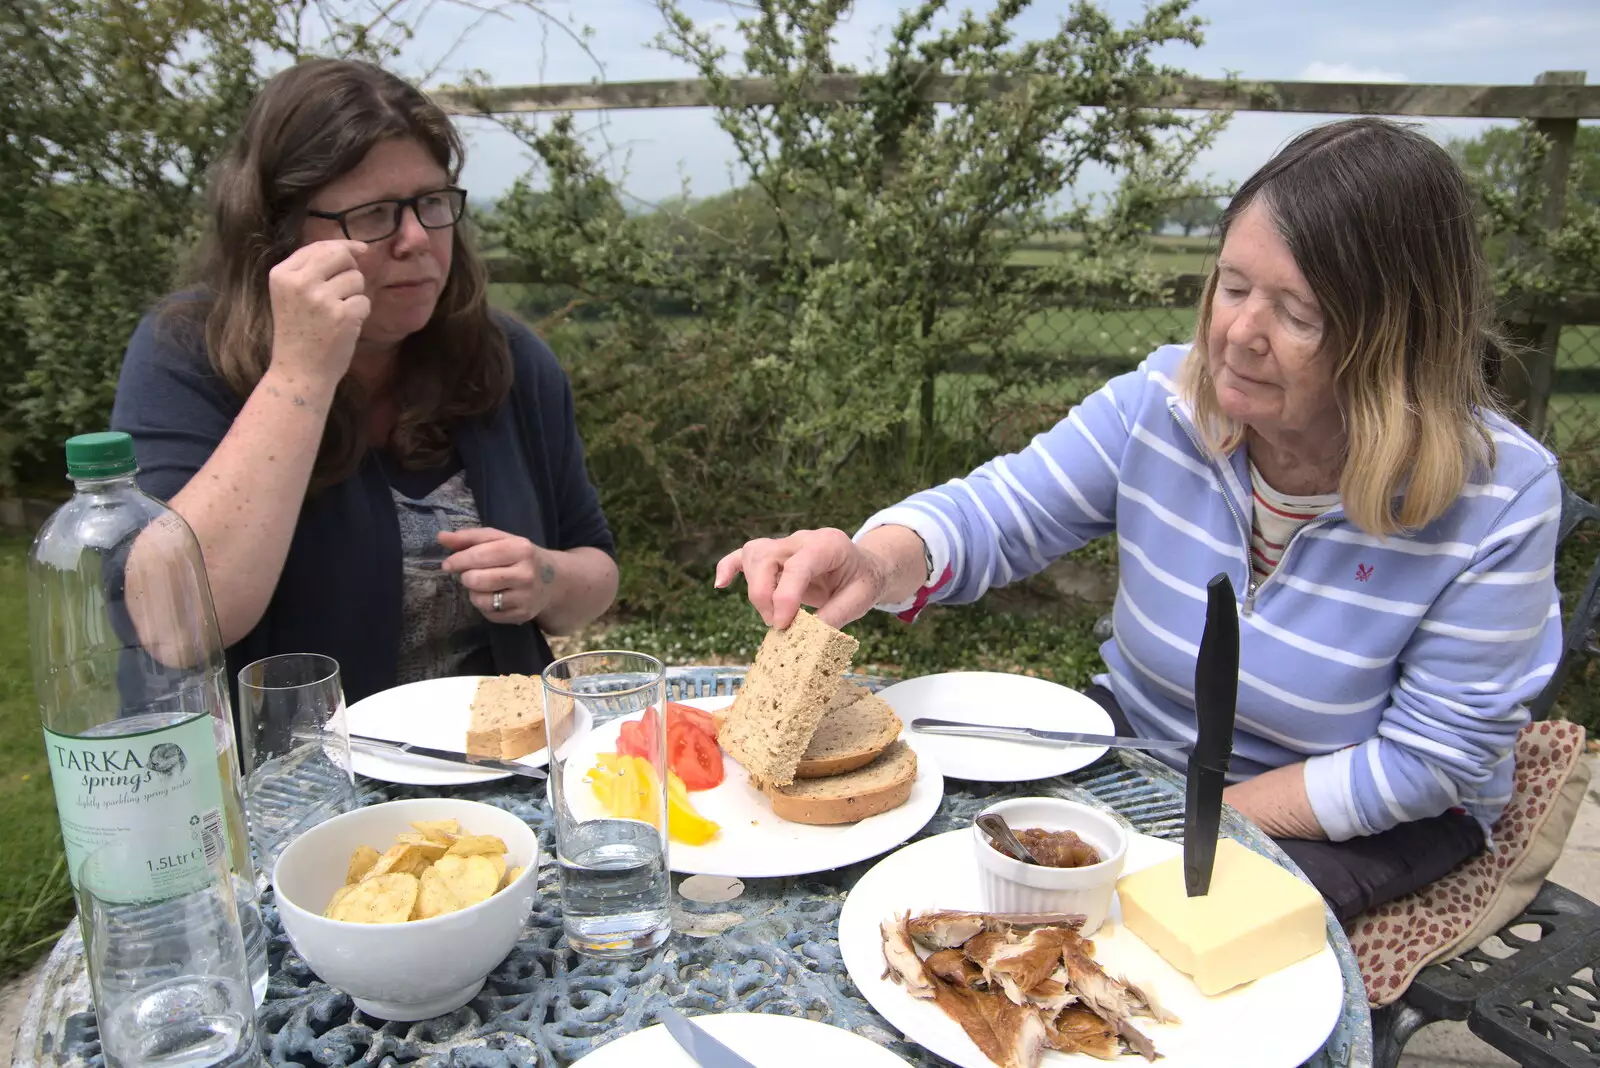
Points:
(441, 633)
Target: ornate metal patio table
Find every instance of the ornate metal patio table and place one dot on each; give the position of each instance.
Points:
(772, 949)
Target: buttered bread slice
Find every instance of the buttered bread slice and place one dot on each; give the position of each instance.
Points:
(507, 718)
(769, 726)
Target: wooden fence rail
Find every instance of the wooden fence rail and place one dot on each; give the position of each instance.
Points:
(1541, 101)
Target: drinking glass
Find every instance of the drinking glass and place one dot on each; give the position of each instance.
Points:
(165, 952)
(295, 743)
(615, 895)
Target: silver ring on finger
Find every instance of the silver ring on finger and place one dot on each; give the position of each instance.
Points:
(499, 602)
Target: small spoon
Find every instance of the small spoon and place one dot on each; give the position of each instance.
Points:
(994, 825)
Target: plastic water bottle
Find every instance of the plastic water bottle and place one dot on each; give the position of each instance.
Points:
(131, 678)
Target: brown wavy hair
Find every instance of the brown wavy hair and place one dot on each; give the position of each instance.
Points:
(1380, 221)
(309, 125)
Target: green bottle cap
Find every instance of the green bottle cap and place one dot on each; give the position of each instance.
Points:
(106, 454)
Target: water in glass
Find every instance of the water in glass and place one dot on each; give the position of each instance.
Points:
(614, 888)
(615, 895)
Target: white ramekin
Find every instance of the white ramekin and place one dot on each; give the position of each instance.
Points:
(1011, 886)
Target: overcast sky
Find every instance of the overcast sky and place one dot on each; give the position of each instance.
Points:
(1472, 41)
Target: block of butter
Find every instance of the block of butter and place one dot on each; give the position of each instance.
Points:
(1257, 918)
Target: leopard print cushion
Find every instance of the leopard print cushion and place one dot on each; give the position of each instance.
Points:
(1393, 942)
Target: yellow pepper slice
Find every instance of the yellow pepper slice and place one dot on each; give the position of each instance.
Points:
(604, 785)
(638, 789)
(626, 788)
(683, 823)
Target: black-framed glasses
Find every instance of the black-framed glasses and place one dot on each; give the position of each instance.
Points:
(437, 209)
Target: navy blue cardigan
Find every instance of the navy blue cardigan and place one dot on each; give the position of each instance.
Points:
(339, 593)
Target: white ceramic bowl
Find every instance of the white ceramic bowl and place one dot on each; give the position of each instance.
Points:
(1011, 886)
(403, 971)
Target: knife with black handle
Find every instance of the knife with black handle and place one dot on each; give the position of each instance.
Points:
(1216, 694)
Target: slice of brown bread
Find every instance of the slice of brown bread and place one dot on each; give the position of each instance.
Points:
(771, 722)
(856, 726)
(507, 719)
(880, 786)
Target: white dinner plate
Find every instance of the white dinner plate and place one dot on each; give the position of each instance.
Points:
(993, 697)
(764, 1039)
(434, 713)
(1278, 1021)
(753, 843)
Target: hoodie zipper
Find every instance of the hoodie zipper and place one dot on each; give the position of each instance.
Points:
(1283, 561)
(1252, 587)
(1240, 524)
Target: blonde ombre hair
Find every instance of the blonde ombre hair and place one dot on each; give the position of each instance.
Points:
(1379, 220)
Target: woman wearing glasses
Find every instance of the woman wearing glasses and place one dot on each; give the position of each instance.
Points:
(377, 466)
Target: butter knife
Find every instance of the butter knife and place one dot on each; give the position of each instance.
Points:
(701, 1047)
(447, 756)
(1034, 734)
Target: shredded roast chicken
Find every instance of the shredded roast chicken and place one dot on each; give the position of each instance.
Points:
(1020, 984)
(901, 960)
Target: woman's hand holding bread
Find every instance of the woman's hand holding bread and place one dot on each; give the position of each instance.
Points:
(824, 569)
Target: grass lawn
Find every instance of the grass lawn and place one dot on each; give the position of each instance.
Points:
(35, 900)
(1043, 635)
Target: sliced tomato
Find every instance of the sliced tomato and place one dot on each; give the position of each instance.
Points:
(681, 713)
(694, 755)
(637, 737)
(631, 741)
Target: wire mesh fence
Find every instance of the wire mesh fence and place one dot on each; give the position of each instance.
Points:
(1574, 412)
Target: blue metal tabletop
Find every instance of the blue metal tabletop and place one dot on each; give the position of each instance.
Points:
(774, 948)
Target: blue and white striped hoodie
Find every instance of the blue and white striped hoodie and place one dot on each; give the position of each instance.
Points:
(1397, 668)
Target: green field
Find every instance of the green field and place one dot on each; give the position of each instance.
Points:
(34, 898)
(1168, 255)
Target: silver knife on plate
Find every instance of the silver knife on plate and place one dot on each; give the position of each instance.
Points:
(705, 1050)
(1034, 734)
(447, 756)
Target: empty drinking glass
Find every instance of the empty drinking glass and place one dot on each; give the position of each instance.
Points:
(295, 743)
(615, 895)
(165, 953)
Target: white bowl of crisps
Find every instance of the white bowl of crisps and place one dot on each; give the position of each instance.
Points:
(1081, 852)
(408, 906)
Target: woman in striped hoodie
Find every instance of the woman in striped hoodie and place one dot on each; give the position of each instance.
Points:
(1330, 441)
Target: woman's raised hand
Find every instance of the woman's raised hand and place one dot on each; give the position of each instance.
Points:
(319, 303)
(820, 568)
